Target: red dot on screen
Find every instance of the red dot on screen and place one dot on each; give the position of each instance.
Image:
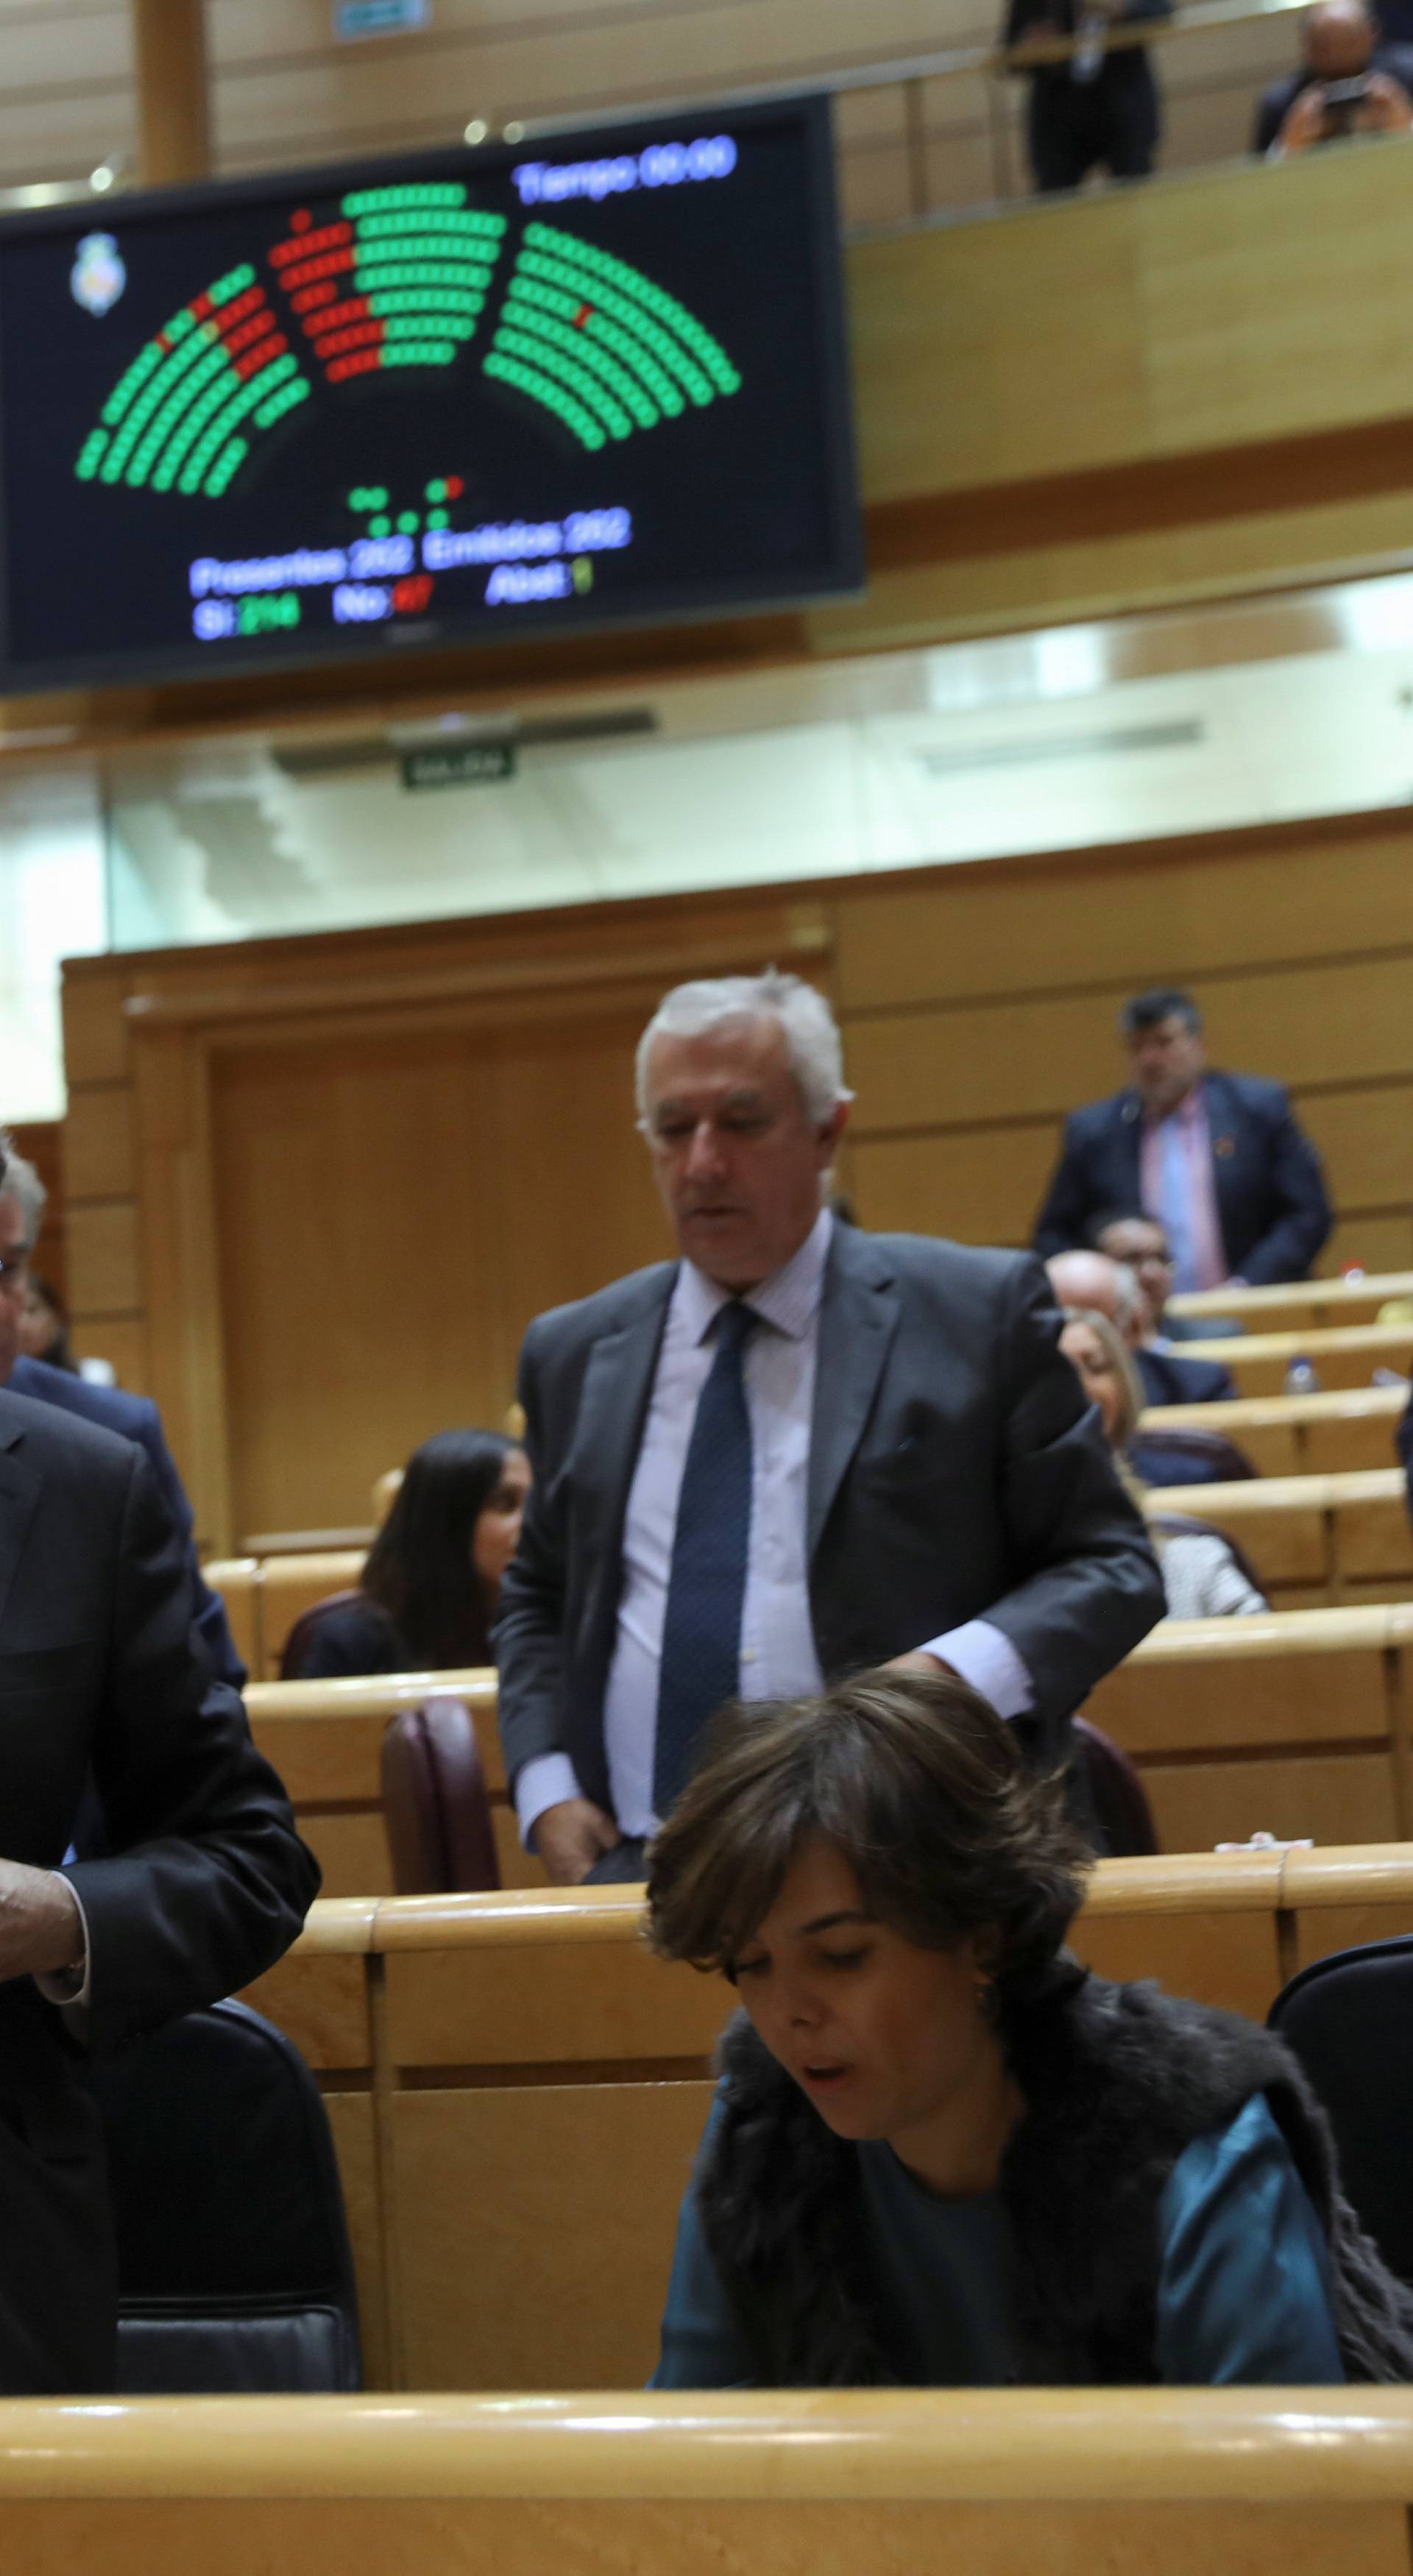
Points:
(454, 487)
(300, 220)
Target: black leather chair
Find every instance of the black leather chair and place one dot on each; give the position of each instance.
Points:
(1349, 2019)
(296, 1649)
(435, 1806)
(234, 2269)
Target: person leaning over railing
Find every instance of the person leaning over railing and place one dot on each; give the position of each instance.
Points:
(1350, 83)
(942, 2152)
(1098, 109)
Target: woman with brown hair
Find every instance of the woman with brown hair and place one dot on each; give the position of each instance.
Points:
(943, 2153)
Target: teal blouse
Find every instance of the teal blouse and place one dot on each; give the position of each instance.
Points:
(1243, 2288)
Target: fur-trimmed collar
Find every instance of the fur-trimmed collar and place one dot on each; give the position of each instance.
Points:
(1119, 2079)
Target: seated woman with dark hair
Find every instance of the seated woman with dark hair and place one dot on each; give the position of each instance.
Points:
(942, 2153)
(432, 1577)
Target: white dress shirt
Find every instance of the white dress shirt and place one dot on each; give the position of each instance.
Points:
(778, 1657)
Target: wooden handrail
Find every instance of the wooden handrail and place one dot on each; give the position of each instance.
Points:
(1249, 2446)
(950, 62)
(1277, 1412)
(1343, 1491)
(1246, 1882)
(1374, 1287)
(1374, 1341)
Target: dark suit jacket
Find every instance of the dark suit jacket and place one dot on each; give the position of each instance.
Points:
(207, 1883)
(1405, 1450)
(1270, 1189)
(1276, 102)
(955, 1471)
(134, 1418)
(1169, 1380)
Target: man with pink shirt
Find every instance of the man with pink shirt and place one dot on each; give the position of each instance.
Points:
(1217, 1158)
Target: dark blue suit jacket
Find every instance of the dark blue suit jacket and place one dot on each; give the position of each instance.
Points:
(1270, 1189)
(133, 1417)
(1170, 1380)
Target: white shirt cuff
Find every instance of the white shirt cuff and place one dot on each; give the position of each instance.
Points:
(545, 1782)
(69, 1987)
(989, 1662)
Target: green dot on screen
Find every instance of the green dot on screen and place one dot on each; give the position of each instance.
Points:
(408, 523)
(436, 491)
(377, 499)
(358, 500)
(379, 527)
(439, 518)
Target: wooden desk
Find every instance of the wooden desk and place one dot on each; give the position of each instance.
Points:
(265, 1595)
(1345, 1357)
(1341, 1431)
(1297, 1305)
(517, 2087)
(1316, 1541)
(325, 1740)
(1297, 1723)
(1000, 2482)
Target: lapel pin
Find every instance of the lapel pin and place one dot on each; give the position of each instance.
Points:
(1224, 1145)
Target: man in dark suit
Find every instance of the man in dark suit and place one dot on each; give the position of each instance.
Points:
(1096, 1282)
(1099, 108)
(1218, 1157)
(1352, 80)
(795, 1453)
(131, 1416)
(206, 1886)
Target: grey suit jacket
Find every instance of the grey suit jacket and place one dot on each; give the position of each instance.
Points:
(206, 1883)
(955, 1473)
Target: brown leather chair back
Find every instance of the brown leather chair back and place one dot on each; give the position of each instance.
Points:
(1116, 1795)
(435, 1806)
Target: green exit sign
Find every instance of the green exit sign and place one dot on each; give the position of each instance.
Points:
(459, 764)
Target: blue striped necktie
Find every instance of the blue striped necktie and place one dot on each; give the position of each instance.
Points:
(706, 1589)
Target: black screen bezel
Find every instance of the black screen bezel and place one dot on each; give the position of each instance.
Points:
(840, 574)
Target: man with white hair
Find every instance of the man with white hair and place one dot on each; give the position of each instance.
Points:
(1113, 1288)
(798, 1451)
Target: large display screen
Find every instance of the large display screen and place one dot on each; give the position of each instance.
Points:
(479, 394)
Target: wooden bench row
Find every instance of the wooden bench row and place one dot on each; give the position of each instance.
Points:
(1297, 1305)
(1342, 1356)
(1316, 1542)
(1003, 2482)
(1297, 1723)
(1342, 1431)
(517, 2087)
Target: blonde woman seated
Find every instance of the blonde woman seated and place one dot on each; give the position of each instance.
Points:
(1200, 1575)
(943, 2154)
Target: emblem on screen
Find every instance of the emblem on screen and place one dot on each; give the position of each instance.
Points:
(98, 276)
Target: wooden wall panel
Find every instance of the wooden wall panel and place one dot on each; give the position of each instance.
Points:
(105, 1260)
(492, 2184)
(1241, 899)
(43, 1144)
(98, 1141)
(382, 1195)
(983, 1187)
(1346, 1798)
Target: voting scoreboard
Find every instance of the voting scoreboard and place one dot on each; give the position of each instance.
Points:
(474, 395)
